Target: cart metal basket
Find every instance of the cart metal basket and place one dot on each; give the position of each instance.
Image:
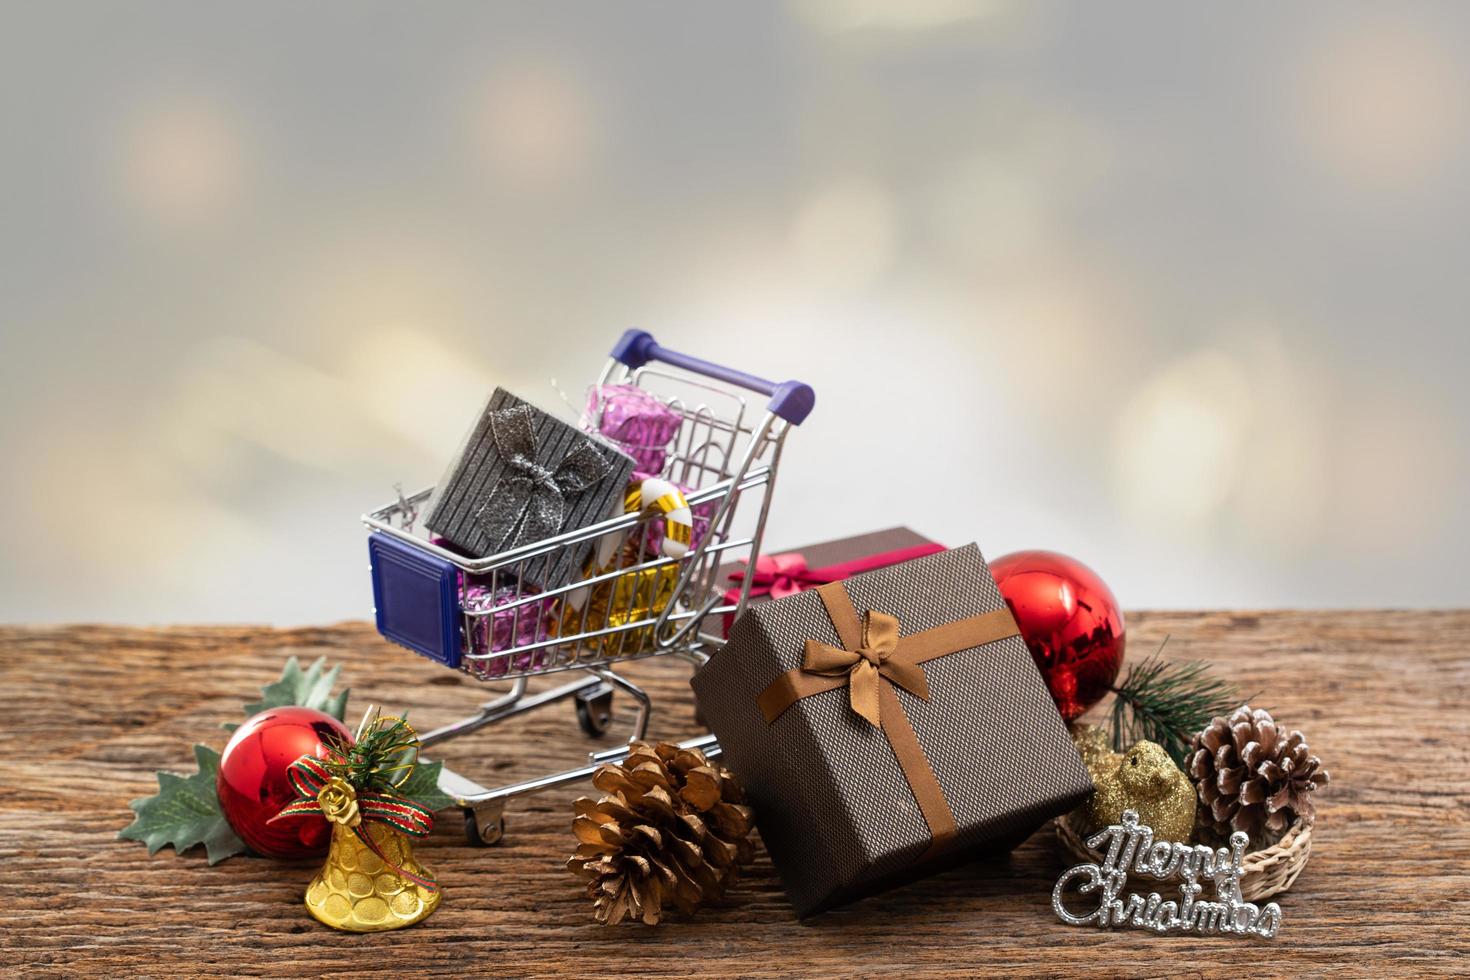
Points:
(487, 618)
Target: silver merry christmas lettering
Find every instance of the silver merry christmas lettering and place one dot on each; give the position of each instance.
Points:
(1131, 847)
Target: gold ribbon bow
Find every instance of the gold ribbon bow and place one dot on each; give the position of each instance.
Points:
(876, 657)
(872, 662)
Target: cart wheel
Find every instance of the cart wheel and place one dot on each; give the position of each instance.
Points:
(594, 709)
(478, 836)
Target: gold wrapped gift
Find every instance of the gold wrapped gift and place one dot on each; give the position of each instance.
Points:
(639, 593)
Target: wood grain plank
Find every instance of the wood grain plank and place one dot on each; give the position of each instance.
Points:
(1383, 697)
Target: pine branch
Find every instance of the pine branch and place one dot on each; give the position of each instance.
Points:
(385, 760)
(1167, 703)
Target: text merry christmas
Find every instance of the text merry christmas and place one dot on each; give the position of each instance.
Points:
(1131, 847)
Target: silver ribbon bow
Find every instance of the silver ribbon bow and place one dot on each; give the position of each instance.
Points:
(529, 502)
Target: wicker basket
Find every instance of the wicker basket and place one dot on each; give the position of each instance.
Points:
(1267, 872)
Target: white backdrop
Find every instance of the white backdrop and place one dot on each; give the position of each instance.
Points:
(1179, 293)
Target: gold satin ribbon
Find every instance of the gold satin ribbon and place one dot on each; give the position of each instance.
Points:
(875, 657)
(872, 661)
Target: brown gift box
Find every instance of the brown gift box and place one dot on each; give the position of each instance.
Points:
(847, 807)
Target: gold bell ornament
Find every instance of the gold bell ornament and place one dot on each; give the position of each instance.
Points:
(371, 881)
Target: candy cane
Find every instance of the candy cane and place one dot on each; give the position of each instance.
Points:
(658, 496)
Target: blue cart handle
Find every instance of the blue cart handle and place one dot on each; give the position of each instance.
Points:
(790, 400)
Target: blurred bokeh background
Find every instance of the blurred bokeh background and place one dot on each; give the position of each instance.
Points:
(1181, 292)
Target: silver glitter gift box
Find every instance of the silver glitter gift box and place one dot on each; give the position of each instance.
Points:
(888, 726)
(522, 476)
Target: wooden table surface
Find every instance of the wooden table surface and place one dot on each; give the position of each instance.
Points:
(93, 710)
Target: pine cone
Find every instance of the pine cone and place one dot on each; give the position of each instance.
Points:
(1253, 776)
(673, 828)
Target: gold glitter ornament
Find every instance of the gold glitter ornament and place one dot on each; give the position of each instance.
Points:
(1095, 748)
(1144, 779)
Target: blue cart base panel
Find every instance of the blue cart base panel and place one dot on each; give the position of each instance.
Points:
(416, 596)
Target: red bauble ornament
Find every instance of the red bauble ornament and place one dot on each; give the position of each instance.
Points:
(1070, 620)
(253, 786)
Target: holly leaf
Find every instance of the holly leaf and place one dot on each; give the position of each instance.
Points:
(422, 787)
(185, 813)
(310, 688)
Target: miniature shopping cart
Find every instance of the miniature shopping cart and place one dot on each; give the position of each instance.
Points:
(484, 616)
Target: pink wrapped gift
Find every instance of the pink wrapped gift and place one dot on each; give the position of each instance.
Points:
(640, 423)
(493, 628)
